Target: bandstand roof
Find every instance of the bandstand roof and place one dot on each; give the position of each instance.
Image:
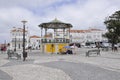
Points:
(55, 24)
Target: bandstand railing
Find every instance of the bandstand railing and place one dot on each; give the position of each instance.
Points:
(55, 40)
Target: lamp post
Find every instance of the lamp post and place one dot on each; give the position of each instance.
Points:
(15, 43)
(24, 53)
(15, 39)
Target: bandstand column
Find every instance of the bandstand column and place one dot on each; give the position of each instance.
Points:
(42, 49)
(63, 35)
(41, 32)
(54, 33)
(69, 35)
(45, 32)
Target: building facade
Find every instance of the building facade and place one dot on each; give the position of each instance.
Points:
(90, 35)
(35, 42)
(16, 35)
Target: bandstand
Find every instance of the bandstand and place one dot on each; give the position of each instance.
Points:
(60, 36)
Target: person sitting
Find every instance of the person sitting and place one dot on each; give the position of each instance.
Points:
(69, 51)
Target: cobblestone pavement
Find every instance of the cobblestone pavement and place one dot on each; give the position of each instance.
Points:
(62, 67)
(4, 76)
(83, 71)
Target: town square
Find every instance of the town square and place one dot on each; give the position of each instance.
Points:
(60, 40)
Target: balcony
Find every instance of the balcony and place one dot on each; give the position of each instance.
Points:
(18, 41)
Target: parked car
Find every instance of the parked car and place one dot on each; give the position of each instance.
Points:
(118, 44)
(93, 46)
(87, 46)
(105, 45)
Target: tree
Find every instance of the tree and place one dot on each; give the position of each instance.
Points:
(113, 26)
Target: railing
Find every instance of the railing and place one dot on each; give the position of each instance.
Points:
(55, 41)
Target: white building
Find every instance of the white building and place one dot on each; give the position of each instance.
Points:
(90, 35)
(17, 38)
(35, 42)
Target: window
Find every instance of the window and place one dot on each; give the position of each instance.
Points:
(57, 35)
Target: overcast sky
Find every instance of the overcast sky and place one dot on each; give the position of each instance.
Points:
(82, 14)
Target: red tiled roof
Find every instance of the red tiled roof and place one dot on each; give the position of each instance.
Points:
(34, 36)
(79, 31)
(83, 31)
(18, 30)
(95, 29)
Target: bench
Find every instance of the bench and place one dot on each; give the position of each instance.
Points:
(96, 51)
(105, 49)
(12, 53)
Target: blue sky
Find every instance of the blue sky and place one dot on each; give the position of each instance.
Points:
(82, 14)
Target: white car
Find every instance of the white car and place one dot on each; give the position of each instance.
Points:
(93, 46)
(87, 46)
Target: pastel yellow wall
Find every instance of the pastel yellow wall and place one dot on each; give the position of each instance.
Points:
(56, 47)
(61, 47)
(50, 48)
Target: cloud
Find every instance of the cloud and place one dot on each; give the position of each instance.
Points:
(92, 13)
(12, 17)
(80, 13)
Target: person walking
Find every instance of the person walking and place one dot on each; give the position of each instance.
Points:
(8, 50)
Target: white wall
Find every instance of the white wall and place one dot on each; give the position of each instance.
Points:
(92, 36)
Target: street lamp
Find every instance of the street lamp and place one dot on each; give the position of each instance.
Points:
(15, 43)
(15, 40)
(24, 53)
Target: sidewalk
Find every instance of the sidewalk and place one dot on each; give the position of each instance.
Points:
(18, 70)
(108, 60)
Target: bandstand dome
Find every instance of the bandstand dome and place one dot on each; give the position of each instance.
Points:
(55, 24)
